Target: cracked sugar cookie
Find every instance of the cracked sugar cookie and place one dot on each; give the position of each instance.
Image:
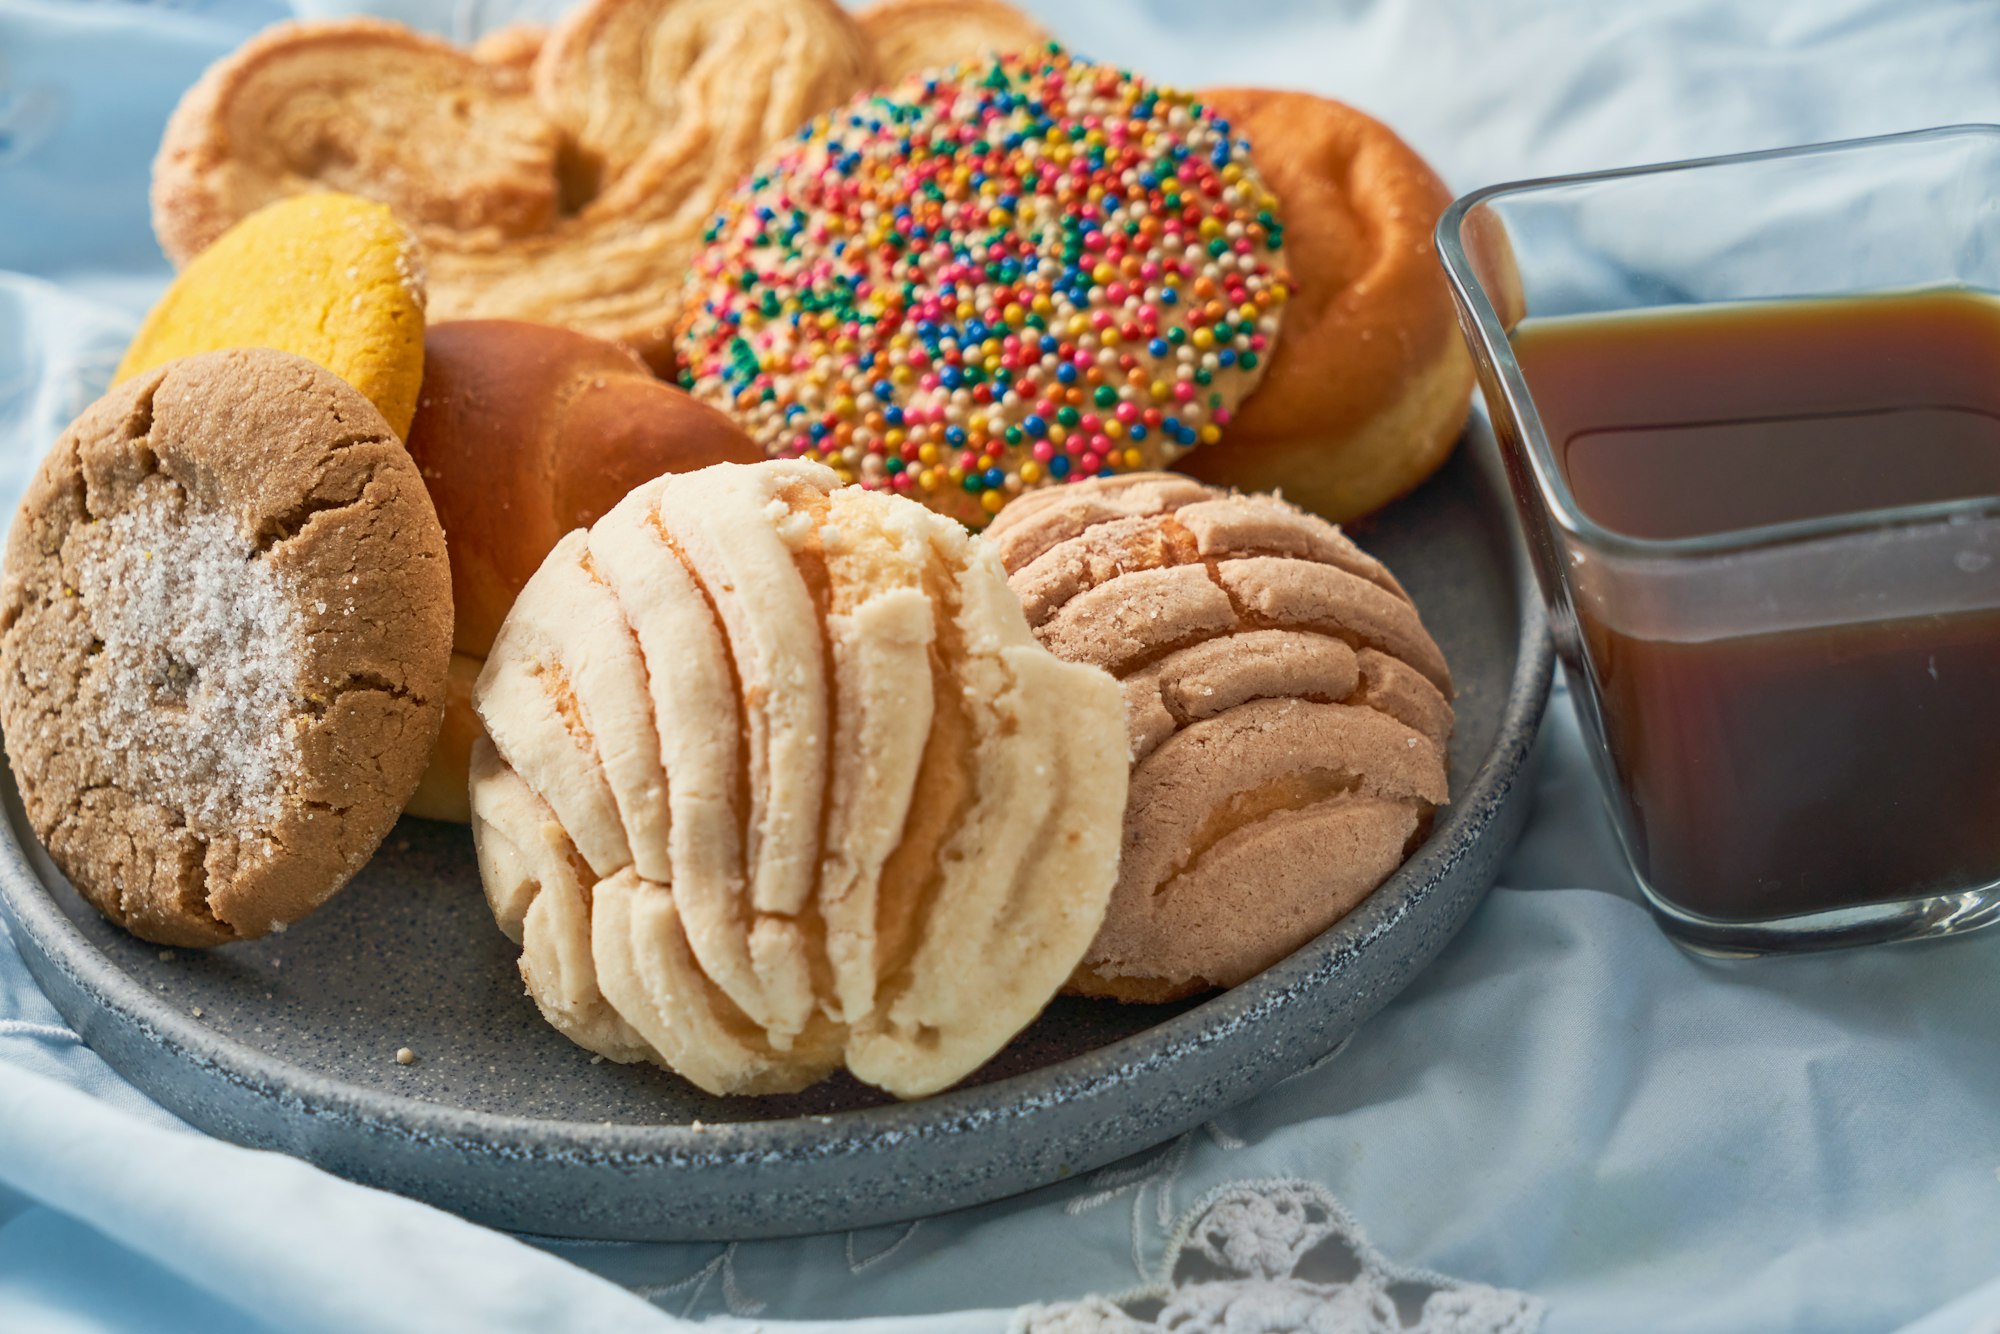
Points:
(224, 626)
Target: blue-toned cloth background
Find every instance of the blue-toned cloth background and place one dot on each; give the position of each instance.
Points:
(1564, 1105)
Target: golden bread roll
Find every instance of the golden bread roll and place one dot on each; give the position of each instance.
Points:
(573, 194)
(911, 36)
(1288, 716)
(777, 780)
(524, 432)
(1368, 389)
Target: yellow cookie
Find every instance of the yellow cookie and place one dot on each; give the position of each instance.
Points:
(329, 277)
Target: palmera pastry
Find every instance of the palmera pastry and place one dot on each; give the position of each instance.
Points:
(914, 36)
(523, 433)
(778, 780)
(574, 194)
(223, 633)
(1035, 270)
(906, 35)
(1288, 716)
(1368, 391)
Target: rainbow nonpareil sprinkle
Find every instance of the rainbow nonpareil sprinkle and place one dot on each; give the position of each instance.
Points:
(1030, 270)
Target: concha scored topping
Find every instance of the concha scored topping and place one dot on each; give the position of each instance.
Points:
(778, 780)
(1288, 716)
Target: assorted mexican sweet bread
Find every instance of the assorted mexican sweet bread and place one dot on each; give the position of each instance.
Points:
(775, 766)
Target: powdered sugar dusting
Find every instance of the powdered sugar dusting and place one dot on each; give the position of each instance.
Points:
(198, 675)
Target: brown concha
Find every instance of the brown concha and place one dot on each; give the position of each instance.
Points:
(1288, 713)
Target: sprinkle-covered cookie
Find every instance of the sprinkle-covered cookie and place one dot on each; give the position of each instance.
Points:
(223, 632)
(1035, 270)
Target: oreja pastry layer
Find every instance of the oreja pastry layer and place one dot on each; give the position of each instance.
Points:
(914, 36)
(223, 633)
(1288, 716)
(574, 193)
(778, 781)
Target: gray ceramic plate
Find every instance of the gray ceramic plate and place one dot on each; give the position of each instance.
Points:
(289, 1043)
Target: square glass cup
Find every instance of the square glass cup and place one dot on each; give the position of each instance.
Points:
(1911, 855)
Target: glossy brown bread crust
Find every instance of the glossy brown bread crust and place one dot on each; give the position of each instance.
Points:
(524, 432)
(1369, 381)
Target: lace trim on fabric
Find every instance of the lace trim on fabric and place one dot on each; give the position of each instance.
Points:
(1282, 1256)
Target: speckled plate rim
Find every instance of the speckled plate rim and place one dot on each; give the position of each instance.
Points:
(115, 1001)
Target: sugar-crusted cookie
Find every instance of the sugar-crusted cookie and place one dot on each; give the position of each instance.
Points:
(331, 278)
(223, 630)
(1287, 710)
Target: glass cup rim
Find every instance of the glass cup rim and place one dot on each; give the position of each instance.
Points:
(1557, 498)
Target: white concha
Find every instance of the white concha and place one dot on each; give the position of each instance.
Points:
(689, 673)
(862, 817)
(881, 630)
(544, 884)
(738, 534)
(648, 971)
(1037, 821)
(529, 701)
